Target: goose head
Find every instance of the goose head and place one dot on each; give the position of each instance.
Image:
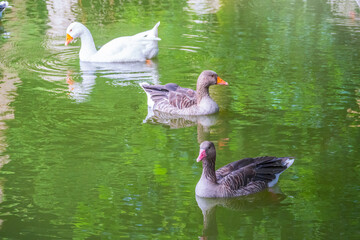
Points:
(207, 152)
(207, 156)
(73, 31)
(208, 78)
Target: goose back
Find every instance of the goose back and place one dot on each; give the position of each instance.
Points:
(172, 95)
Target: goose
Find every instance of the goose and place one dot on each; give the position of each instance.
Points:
(140, 47)
(239, 178)
(3, 5)
(173, 99)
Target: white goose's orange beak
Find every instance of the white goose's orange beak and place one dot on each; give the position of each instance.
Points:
(221, 82)
(68, 39)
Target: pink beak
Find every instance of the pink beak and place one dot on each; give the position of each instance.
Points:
(202, 155)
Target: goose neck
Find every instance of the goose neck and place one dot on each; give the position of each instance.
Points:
(209, 170)
(87, 45)
(201, 92)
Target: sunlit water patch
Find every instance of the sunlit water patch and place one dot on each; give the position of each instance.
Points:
(114, 74)
(77, 78)
(203, 6)
(52, 67)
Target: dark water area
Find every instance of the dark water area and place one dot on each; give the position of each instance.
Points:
(79, 160)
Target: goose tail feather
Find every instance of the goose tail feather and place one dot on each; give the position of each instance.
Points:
(270, 169)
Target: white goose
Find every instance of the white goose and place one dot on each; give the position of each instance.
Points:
(139, 47)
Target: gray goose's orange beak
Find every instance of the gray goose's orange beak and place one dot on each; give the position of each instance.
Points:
(68, 39)
(221, 82)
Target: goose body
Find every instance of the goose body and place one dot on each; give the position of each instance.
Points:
(173, 99)
(239, 178)
(139, 47)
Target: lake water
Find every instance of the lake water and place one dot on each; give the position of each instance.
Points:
(79, 160)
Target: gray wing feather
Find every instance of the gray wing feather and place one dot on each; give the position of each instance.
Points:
(176, 96)
(249, 174)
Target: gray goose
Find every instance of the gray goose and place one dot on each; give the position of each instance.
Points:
(239, 178)
(173, 99)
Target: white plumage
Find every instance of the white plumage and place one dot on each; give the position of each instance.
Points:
(139, 47)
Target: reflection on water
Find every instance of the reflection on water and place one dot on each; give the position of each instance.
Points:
(7, 89)
(60, 16)
(344, 7)
(136, 72)
(355, 114)
(79, 91)
(203, 123)
(53, 63)
(3, 32)
(176, 121)
(268, 197)
(203, 6)
(347, 12)
(120, 74)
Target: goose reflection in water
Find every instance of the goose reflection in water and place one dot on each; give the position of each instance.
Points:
(201, 7)
(203, 122)
(271, 196)
(120, 74)
(355, 114)
(3, 32)
(2, 29)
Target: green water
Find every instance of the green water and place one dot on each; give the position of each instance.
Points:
(79, 162)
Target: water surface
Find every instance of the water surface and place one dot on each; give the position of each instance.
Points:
(79, 159)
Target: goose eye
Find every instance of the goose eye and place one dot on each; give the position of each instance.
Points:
(70, 30)
(145, 35)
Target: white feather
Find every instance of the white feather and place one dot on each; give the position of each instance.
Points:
(287, 163)
(150, 102)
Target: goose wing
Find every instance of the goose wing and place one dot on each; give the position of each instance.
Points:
(257, 171)
(182, 98)
(233, 166)
(171, 94)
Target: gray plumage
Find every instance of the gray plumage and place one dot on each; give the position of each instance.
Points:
(173, 99)
(242, 177)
